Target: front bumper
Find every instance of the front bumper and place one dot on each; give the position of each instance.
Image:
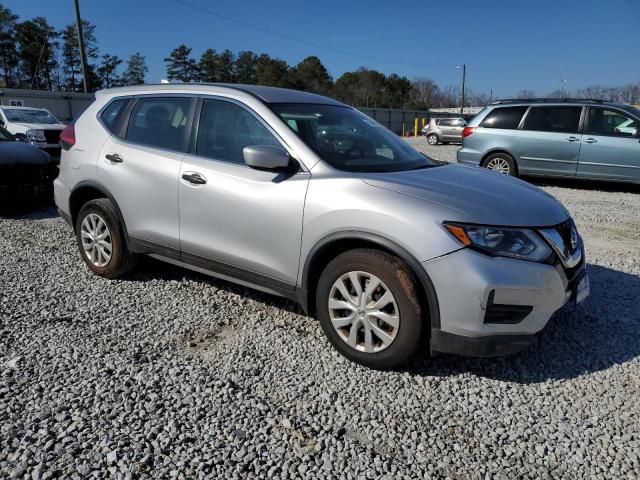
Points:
(468, 283)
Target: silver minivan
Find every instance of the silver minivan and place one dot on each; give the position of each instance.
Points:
(573, 138)
(301, 196)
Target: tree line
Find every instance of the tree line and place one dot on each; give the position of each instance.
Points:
(33, 54)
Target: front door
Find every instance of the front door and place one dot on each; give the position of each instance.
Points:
(141, 170)
(610, 146)
(240, 221)
(549, 142)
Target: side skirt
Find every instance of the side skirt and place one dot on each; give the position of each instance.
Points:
(224, 271)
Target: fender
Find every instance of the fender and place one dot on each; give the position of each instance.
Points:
(102, 189)
(389, 245)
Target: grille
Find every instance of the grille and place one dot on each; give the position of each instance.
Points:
(52, 136)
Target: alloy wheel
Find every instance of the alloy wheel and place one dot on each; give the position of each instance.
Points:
(432, 140)
(364, 312)
(96, 240)
(499, 165)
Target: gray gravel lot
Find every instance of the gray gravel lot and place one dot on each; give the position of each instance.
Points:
(171, 374)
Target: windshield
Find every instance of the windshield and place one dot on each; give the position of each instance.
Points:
(349, 140)
(5, 136)
(29, 116)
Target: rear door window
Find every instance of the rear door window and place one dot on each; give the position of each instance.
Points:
(160, 122)
(559, 119)
(445, 123)
(504, 117)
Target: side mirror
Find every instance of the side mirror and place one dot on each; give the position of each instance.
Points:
(265, 157)
(20, 137)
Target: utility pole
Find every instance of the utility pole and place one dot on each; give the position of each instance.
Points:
(83, 56)
(464, 74)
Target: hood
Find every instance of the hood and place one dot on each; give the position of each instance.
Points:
(480, 195)
(19, 153)
(23, 127)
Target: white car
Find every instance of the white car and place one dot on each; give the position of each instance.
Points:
(36, 126)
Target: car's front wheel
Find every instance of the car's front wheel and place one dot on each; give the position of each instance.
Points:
(432, 139)
(501, 163)
(100, 238)
(368, 307)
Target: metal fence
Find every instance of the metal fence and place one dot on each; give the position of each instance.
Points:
(64, 105)
(68, 105)
(394, 119)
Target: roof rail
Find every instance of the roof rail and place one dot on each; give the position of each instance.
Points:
(547, 100)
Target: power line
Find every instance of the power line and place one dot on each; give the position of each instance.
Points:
(299, 40)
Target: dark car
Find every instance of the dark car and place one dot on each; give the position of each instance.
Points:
(26, 173)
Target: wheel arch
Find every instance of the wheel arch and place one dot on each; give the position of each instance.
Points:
(334, 244)
(88, 190)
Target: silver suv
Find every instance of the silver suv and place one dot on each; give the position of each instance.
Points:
(574, 138)
(444, 130)
(301, 196)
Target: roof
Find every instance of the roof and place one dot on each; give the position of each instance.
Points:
(264, 93)
(13, 107)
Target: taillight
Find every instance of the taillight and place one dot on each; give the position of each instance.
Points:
(466, 131)
(68, 137)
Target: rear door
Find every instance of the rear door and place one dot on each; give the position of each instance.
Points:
(610, 145)
(549, 142)
(140, 166)
(446, 127)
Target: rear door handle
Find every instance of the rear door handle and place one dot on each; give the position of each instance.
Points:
(590, 140)
(113, 157)
(194, 178)
(573, 139)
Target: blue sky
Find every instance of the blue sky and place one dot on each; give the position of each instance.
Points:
(507, 45)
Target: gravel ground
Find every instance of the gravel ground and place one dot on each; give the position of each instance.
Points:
(170, 374)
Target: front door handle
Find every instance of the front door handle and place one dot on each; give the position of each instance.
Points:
(194, 178)
(590, 140)
(113, 157)
(573, 139)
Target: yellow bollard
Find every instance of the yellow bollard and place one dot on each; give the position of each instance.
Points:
(423, 121)
(415, 127)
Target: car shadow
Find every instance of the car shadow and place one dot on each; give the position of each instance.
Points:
(615, 187)
(601, 333)
(38, 210)
(151, 269)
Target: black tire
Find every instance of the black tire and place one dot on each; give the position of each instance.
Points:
(432, 139)
(400, 282)
(121, 261)
(501, 158)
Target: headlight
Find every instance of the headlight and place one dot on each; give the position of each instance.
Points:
(518, 243)
(36, 136)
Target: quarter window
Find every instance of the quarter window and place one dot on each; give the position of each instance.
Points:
(226, 128)
(553, 119)
(112, 114)
(603, 121)
(504, 117)
(160, 122)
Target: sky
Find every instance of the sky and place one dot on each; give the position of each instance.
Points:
(507, 46)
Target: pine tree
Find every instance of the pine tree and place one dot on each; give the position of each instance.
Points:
(71, 54)
(108, 71)
(180, 65)
(136, 70)
(8, 53)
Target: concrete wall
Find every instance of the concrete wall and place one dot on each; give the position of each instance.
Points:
(64, 105)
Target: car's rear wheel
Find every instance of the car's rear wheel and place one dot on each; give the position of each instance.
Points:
(368, 307)
(432, 139)
(501, 163)
(100, 238)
